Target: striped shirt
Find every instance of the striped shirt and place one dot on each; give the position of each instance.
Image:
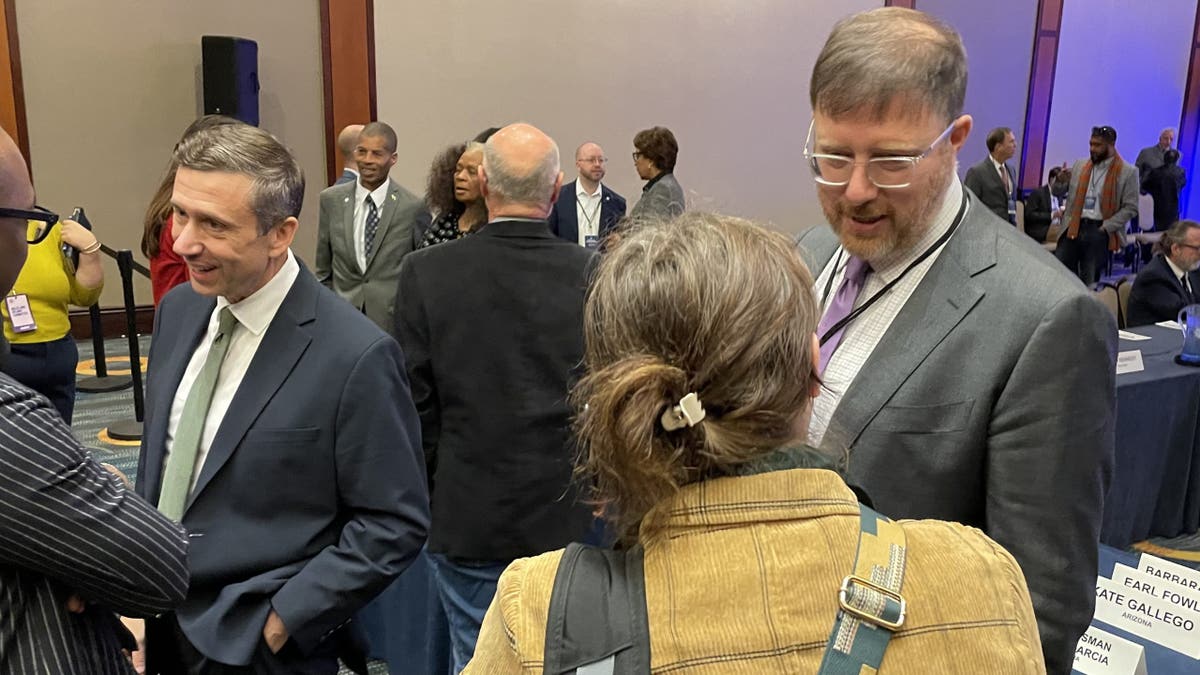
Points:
(67, 526)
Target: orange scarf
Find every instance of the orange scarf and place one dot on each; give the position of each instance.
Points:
(1108, 198)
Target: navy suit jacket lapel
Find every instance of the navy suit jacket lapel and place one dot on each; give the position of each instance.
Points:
(284, 343)
(568, 219)
(608, 214)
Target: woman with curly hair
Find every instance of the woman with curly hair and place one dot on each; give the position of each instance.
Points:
(691, 420)
(453, 194)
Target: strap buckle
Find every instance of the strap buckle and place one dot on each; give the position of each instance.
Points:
(879, 620)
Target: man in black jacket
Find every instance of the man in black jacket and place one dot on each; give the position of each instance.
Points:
(1170, 281)
(492, 331)
(1163, 183)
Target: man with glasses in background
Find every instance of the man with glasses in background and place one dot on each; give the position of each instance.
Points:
(968, 376)
(1101, 199)
(586, 210)
(76, 544)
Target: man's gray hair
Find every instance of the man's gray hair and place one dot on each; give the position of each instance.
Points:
(1175, 234)
(887, 56)
(278, 191)
(512, 185)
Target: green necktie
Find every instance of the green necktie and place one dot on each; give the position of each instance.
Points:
(182, 461)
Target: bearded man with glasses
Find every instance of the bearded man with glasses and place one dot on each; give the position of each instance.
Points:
(944, 330)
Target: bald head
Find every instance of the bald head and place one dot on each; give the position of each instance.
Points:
(347, 140)
(520, 172)
(16, 192)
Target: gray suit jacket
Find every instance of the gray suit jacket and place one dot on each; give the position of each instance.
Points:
(985, 182)
(662, 199)
(990, 402)
(1127, 196)
(312, 498)
(401, 226)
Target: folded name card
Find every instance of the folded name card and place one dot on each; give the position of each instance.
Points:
(1130, 362)
(1146, 616)
(1099, 652)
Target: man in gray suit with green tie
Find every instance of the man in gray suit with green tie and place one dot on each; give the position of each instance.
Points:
(968, 375)
(367, 227)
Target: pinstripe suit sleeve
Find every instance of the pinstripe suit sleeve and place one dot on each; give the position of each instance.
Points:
(64, 516)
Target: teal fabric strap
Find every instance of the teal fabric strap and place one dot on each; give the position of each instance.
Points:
(870, 605)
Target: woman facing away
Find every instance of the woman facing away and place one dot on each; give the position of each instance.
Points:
(698, 392)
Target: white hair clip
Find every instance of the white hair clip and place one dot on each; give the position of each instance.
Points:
(688, 413)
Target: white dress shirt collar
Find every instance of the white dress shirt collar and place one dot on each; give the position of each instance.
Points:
(582, 193)
(256, 311)
(1175, 269)
(377, 195)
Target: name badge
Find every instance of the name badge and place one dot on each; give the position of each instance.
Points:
(1089, 202)
(1012, 207)
(19, 313)
(591, 241)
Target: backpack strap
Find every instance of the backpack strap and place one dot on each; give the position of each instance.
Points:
(597, 623)
(871, 607)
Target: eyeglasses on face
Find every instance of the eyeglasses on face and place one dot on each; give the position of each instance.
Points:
(594, 160)
(636, 155)
(888, 173)
(44, 219)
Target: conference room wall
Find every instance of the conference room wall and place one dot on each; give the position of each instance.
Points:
(998, 37)
(1122, 63)
(729, 79)
(109, 87)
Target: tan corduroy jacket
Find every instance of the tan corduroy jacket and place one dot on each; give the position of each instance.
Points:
(744, 578)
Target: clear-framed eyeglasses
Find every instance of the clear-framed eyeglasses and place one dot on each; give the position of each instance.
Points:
(888, 173)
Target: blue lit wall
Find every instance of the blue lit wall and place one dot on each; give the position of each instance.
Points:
(998, 37)
(1122, 63)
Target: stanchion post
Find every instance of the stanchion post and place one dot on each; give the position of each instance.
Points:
(102, 382)
(130, 430)
(97, 341)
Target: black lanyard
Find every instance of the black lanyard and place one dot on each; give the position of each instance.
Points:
(833, 330)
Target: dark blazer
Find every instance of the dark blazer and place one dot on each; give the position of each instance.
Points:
(1038, 213)
(953, 416)
(312, 498)
(401, 227)
(68, 526)
(492, 327)
(1163, 184)
(1158, 294)
(564, 217)
(347, 176)
(985, 182)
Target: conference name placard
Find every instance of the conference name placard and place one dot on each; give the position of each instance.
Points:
(1172, 573)
(1099, 652)
(1121, 605)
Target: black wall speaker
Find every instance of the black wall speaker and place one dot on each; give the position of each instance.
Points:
(230, 77)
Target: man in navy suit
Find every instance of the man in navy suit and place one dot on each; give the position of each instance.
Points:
(586, 210)
(1169, 282)
(279, 430)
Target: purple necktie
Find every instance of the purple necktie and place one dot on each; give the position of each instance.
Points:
(852, 283)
